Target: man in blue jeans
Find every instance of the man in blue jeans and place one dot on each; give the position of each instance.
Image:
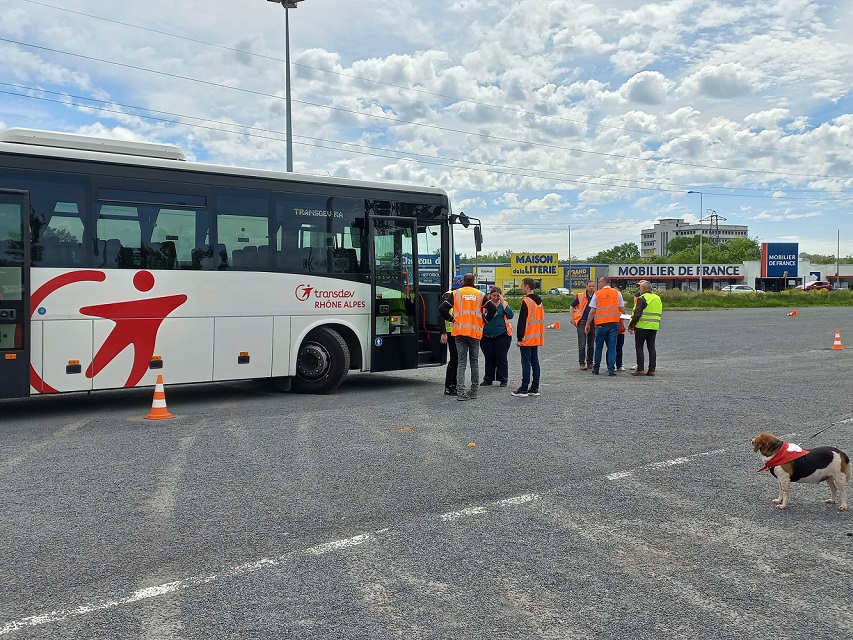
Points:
(605, 311)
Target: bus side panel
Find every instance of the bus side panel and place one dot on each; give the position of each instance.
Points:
(36, 353)
(186, 347)
(239, 339)
(64, 341)
(281, 346)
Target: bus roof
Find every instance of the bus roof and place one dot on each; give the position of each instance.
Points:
(35, 142)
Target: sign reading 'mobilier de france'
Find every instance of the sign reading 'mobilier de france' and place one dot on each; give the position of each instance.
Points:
(677, 270)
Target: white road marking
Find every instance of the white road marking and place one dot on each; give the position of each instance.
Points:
(50, 440)
(662, 465)
(265, 563)
(455, 515)
(320, 549)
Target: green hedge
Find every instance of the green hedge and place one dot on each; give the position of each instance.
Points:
(677, 299)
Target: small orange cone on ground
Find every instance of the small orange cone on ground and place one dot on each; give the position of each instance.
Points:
(158, 405)
(836, 346)
(556, 325)
(793, 313)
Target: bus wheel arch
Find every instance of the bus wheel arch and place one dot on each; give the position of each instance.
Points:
(322, 362)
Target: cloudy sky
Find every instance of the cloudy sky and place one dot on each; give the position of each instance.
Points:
(536, 116)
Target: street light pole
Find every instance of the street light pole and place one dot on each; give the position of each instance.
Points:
(570, 258)
(287, 4)
(701, 209)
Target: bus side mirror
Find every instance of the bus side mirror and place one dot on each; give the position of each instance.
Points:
(478, 238)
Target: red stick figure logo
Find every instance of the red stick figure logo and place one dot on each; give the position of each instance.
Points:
(303, 292)
(136, 323)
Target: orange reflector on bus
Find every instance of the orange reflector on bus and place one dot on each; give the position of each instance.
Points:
(243, 358)
(153, 358)
(73, 362)
(11, 356)
(244, 353)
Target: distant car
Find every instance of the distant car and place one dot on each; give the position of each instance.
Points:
(559, 291)
(740, 288)
(816, 284)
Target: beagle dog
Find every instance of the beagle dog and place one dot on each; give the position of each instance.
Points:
(790, 463)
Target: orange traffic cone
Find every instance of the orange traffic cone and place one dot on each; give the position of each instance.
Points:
(158, 405)
(793, 313)
(556, 325)
(836, 346)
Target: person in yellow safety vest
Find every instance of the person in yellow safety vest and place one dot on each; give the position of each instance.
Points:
(580, 311)
(471, 311)
(644, 324)
(605, 310)
(530, 333)
(446, 338)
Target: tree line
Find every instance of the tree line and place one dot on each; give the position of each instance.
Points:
(681, 250)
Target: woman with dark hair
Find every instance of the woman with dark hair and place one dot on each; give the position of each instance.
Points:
(497, 337)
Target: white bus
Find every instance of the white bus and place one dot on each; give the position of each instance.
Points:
(120, 261)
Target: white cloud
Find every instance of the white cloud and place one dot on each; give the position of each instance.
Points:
(724, 81)
(647, 87)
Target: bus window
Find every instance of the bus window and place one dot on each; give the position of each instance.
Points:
(119, 237)
(320, 234)
(173, 238)
(242, 223)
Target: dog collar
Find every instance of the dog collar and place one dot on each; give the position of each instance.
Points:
(788, 452)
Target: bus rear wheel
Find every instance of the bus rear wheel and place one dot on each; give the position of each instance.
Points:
(322, 362)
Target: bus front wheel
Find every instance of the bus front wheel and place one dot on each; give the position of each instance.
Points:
(322, 362)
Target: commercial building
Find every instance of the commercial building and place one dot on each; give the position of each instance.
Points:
(653, 241)
(779, 268)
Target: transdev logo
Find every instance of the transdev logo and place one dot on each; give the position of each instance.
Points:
(303, 292)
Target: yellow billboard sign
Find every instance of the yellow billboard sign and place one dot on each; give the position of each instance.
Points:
(534, 264)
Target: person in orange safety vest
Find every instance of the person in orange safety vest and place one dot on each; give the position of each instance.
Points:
(530, 333)
(470, 312)
(605, 314)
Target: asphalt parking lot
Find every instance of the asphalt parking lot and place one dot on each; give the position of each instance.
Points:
(609, 507)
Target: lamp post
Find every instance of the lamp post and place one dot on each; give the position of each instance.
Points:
(287, 4)
(701, 209)
(570, 258)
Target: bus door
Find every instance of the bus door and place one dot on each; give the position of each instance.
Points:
(14, 294)
(394, 292)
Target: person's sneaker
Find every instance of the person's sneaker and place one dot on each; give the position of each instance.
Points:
(583, 367)
(534, 392)
(472, 395)
(621, 369)
(450, 391)
(463, 397)
(634, 368)
(611, 373)
(520, 393)
(503, 384)
(485, 384)
(595, 372)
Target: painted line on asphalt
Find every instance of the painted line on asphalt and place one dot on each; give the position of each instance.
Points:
(317, 550)
(237, 570)
(664, 464)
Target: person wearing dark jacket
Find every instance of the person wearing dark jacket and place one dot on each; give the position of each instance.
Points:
(447, 338)
(497, 338)
(469, 310)
(530, 334)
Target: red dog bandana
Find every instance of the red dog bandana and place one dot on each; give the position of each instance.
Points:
(788, 452)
